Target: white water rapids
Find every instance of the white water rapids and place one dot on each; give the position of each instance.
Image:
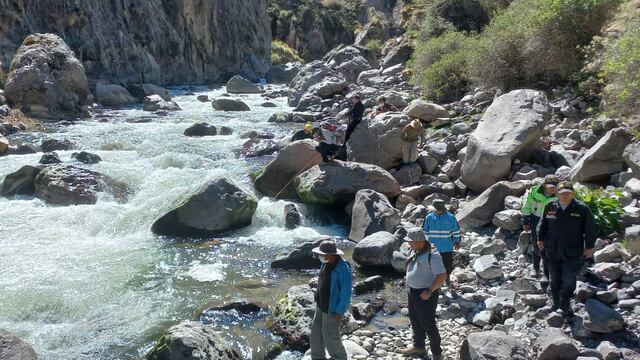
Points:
(92, 282)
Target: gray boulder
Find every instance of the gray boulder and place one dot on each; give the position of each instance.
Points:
(4, 144)
(425, 111)
(632, 234)
(240, 85)
(608, 272)
(300, 258)
(347, 60)
(602, 318)
(631, 157)
(201, 129)
(113, 95)
(141, 91)
(603, 159)
(292, 217)
(508, 219)
(407, 175)
(371, 213)
(70, 185)
(50, 145)
(510, 128)
(609, 351)
(292, 317)
(156, 102)
(354, 351)
(50, 158)
(370, 284)
(47, 80)
(487, 267)
(480, 211)
(492, 345)
(193, 340)
(224, 104)
(317, 79)
(13, 348)
(337, 182)
(376, 249)
(554, 344)
(381, 134)
(216, 207)
(277, 177)
(86, 157)
(21, 182)
(283, 74)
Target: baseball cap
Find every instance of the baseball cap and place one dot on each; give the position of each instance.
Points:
(565, 187)
(551, 180)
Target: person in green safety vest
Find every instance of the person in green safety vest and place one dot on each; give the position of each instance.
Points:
(535, 200)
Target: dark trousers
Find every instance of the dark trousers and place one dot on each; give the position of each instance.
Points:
(447, 260)
(326, 150)
(350, 128)
(536, 254)
(423, 320)
(563, 271)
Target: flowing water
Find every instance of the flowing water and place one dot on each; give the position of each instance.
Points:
(92, 282)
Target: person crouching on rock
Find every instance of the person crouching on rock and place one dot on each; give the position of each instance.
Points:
(327, 137)
(410, 136)
(332, 299)
(425, 275)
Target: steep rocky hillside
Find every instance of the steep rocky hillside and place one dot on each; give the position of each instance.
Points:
(160, 41)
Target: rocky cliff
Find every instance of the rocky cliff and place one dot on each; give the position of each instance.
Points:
(159, 41)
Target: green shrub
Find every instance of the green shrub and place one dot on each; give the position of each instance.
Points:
(440, 66)
(3, 80)
(281, 53)
(537, 42)
(606, 208)
(374, 45)
(621, 72)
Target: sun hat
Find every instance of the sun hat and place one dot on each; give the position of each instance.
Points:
(565, 187)
(439, 205)
(327, 247)
(415, 234)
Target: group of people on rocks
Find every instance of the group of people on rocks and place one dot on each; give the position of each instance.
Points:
(562, 231)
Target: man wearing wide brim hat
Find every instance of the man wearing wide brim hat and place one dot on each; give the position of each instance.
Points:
(410, 136)
(424, 277)
(332, 301)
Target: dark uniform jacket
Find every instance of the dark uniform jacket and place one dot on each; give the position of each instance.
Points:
(566, 233)
(356, 112)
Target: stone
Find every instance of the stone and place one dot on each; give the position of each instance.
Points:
(460, 128)
(259, 147)
(156, 103)
(47, 80)
(191, 340)
(381, 133)
(482, 319)
(112, 95)
(70, 185)
(553, 344)
(316, 78)
(488, 246)
(300, 258)
(407, 175)
(503, 299)
(240, 85)
(347, 60)
(523, 286)
(513, 203)
(376, 249)
(480, 211)
(487, 267)
(603, 159)
(223, 104)
(86, 157)
(554, 320)
(225, 130)
(494, 345)
(50, 159)
(602, 318)
(631, 156)
(609, 351)
(292, 317)
(425, 111)
(338, 182)
(201, 129)
(509, 129)
(633, 187)
(508, 219)
(365, 311)
(370, 284)
(608, 272)
(4, 144)
(611, 253)
(217, 206)
(534, 301)
(371, 213)
(203, 98)
(140, 91)
(13, 348)
(21, 182)
(428, 163)
(292, 217)
(354, 351)
(282, 73)
(50, 145)
(632, 234)
(276, 180)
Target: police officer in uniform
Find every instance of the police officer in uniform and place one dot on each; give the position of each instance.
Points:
(566, 233)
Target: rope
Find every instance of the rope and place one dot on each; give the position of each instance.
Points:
(304, 168)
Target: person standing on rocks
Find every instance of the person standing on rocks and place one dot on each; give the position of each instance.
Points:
(535, 201)
(332, 299)
(356, 112)
(566, 233)
(425, 275)
(442, 228)
(411, 134)
(328, 140)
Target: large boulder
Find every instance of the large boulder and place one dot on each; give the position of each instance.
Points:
(70, 185)
(193, 340)
(480, 211)
(201, 129)
(494, 345)
(50, 145)
(113, 95)
(601, 318)
(156, 102)
(371, 213)
(337, 182)
(216, 207)
(631, 156)
(510, 128)
(508, 219)
(46, 80)
(347, 60)
(376, 249)
(425, 111)
(141, 91)
(317, 79)
(487, 267)
(277, 177)
(20, 182)
(603, 159)
(13, 348)
(240, 85)
(378, 141)
(554, 344)
(292, 317)
(300, 258)
(223, 104)
(283, 74)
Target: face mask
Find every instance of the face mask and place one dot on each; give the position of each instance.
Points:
(323, 259)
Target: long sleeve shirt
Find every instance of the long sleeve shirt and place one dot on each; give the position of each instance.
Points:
(443, 230)
(567, 232)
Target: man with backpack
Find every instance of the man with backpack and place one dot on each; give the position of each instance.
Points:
(424, 276)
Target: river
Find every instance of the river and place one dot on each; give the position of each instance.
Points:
(92, 281)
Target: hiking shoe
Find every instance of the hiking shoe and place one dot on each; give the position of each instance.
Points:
(414, 351)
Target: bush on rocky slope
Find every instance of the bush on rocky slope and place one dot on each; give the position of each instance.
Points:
(282, 53)
(605, 207)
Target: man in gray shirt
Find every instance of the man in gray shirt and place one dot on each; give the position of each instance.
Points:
(425, 275)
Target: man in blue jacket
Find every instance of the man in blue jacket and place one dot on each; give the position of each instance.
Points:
(332, 299)
(442, 229)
